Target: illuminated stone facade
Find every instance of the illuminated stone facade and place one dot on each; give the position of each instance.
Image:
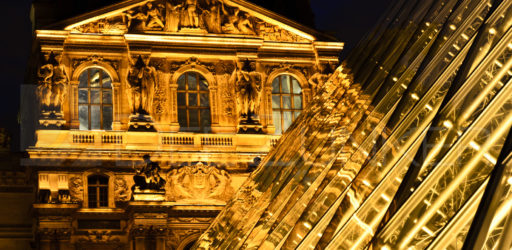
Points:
(204, 88)
(404, 147)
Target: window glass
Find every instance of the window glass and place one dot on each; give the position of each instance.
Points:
(97, 191)
(95, 110)
(193, 103)
(286, 101)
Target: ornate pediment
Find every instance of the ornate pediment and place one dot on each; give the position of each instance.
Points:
(190, 17)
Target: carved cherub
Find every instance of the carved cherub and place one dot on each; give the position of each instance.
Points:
(121, 190)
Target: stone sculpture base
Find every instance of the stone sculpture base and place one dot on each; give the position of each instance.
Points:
(148, 195)
(142, 123)
(51, 120)
(250, 127)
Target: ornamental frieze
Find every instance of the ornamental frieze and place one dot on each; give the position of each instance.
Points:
(187, 16)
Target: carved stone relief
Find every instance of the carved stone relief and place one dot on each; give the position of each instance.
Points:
(208, 16)
(199, 183)
(98, 236)
(176, 236)
(95, 59)
(51, 87)
(76, 189)
(121, 190)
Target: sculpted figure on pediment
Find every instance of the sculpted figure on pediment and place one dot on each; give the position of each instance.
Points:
(212, 16)
(190, 16)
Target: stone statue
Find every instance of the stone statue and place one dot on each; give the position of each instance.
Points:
(52, 86)
(173, 16)
(212, 16)
(142, 81)
(131, 15)
(245, 25)
(189, 17)
(322, 74)
(148, 177)
(154, 17)
(248, 88)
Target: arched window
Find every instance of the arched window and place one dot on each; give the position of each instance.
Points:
(286, 101)
(97, 191)
(95, 100)
(193, 103)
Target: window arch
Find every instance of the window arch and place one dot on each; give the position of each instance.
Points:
(287, 101)
(193, 103)
(95, 109)
(97, 191)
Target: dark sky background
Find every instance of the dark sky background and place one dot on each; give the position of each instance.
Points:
(348, 20)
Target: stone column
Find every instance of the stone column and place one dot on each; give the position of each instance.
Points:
(267, 95)
(116, 103)
(73, 104)
(173, 99)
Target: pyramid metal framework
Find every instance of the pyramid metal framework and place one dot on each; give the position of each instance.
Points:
(404, 147)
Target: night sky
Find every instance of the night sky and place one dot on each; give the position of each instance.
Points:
(348, 20)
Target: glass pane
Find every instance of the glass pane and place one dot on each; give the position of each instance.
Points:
(285, 84)
(95, 96)
(296, 87)
(192, 99)
(82, 96)
(276, 102)
(182, 117)
(205, 120)
(276, 116)
(205, 100)
(182, 99)
(103, 197)
(95, 78)
(192, 81)
(275, 85)
(194, 119)
(92, 197)
(83, 117)
(203, 84)
(107, 97)
(95, 117)
(287, 120)
(103, 180)
(107, 82)
(107, 117)
(92, 179)
(297, 102)
(181, 82)
(83, 80)
(287, 102)
(296, 114)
